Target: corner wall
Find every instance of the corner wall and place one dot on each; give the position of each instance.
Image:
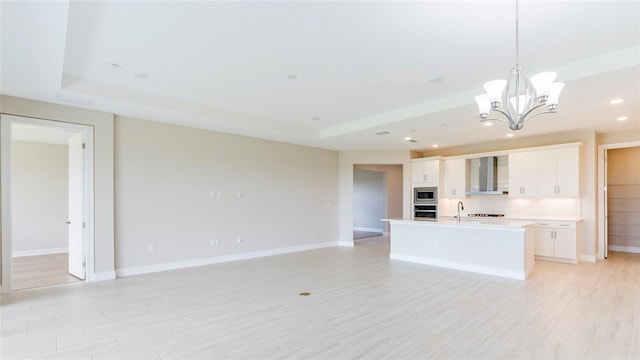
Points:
(347, 159)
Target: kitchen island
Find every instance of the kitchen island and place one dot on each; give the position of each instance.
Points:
(495, 247)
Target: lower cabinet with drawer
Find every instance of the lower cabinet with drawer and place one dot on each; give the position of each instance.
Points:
(557, 241)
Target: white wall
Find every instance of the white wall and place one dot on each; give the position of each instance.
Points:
(39, 197)
(165, 175)
(369, 200)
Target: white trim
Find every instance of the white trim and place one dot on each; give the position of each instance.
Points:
(601, 183)
(5, 191)
(557, 259)
(36, 252)
(346, 243)
(488, 270)
(628, 249)
(217, 259)
(386, 233)
(368, 229)
(587, 258)
(103, 276)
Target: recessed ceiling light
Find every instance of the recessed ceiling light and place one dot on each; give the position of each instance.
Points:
(292, 76)
(622, 118)
(408, 138)
(315, 118)
(141, 75)
(434, 145)
(488, 123)
(113, 66)
(510, 135)
(617, 101)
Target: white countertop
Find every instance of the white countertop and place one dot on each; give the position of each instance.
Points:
(509, 218)
(469, 222)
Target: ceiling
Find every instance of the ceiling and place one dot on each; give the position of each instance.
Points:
(328, 74)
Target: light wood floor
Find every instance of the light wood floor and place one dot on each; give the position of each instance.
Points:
(41, 270)
(362, 305)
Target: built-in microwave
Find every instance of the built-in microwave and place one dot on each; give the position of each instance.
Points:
(425, 195)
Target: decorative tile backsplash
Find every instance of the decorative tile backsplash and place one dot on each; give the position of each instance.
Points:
(515, 208)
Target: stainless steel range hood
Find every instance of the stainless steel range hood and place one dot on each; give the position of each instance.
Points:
(488, 177)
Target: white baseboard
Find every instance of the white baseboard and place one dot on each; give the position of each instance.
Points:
(587, 258)
(137, 270)
(488, 270)
(35, 252)
(621, 248)
(346, 243)
(367, 229)
(102, 276)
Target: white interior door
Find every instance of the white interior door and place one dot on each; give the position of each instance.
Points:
(76, 220)
(606, 207)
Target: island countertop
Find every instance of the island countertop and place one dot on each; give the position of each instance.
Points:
(504, 224)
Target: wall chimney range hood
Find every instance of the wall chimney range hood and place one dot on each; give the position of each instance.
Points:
(488, 177)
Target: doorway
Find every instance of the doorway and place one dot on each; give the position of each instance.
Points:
(619, 196)
(47, 202)
(377, 194)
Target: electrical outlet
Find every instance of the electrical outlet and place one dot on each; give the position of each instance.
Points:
(313, 232)
(215, 243)
(212, 194)
(152, 248)
(240, 195)
(219, 194)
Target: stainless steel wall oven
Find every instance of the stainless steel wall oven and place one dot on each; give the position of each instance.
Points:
(425, 203)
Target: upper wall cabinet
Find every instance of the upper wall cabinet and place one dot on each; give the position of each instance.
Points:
(523, 175)
(551, 173)
(559, 173)
(455, 178)
(426, 172)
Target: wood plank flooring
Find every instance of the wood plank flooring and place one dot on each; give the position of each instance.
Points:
(362, 305)
(41, 270)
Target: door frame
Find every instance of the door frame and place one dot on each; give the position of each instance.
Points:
(602, 194)
(6, 121)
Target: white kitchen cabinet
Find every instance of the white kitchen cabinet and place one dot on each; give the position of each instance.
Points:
(455, 178)
(558, 173)
(426, 172)
(557, 241)
(523, 175)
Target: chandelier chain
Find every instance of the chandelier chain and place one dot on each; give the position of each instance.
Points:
(517, 35)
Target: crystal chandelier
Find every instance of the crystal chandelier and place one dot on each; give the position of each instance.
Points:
(521, 98)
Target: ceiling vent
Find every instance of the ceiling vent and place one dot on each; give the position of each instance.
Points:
(382, 133)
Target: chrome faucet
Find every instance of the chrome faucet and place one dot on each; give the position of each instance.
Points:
(460, 207)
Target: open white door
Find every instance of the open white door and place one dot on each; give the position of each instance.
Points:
(606, 207)
(76, 220)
